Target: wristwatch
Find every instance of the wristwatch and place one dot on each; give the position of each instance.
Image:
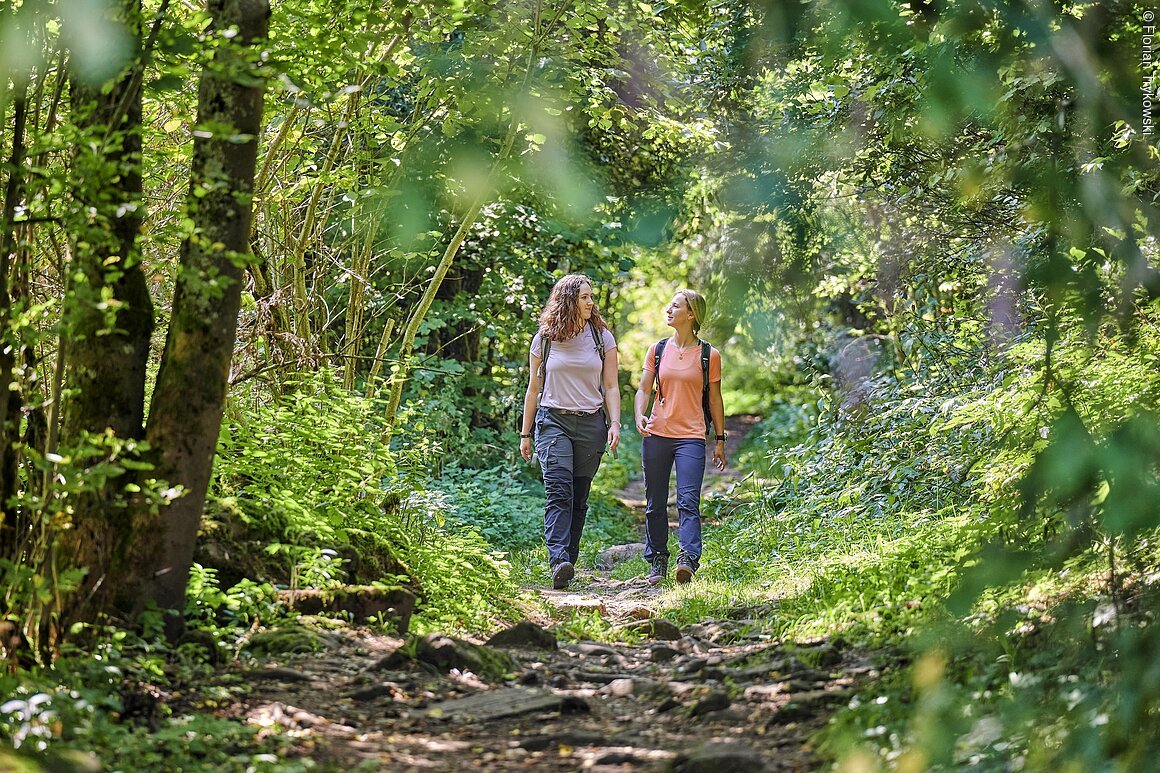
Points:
(722, 437)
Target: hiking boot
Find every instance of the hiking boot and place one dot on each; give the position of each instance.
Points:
(686, 568)
(658, 568)
(561, 574)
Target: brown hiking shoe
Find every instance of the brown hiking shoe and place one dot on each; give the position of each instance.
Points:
(685, 569)
(561, 574)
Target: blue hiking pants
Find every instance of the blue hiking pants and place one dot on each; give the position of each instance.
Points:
(659, 455)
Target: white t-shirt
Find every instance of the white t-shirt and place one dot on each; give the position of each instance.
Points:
(574, 371)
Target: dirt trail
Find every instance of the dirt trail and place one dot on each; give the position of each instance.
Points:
(716, 696)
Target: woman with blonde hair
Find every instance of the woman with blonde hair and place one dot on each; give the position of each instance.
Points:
(686, 373)
(573, 404)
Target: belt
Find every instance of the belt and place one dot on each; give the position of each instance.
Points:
(567, 412)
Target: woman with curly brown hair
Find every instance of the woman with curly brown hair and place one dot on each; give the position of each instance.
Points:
(573, 403)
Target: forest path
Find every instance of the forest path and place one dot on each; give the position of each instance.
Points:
(718, 695)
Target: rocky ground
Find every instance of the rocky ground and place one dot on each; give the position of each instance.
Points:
(719, 695)
(716, 696)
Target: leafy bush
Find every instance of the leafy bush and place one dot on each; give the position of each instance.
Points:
(969, 514)
(80, 713)
(311, 467)
(507, 511)
(318, 490)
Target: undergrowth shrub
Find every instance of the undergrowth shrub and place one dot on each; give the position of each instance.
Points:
(313, 487)
(999, 522)
(309, 470)
(851, 515)
(95, 709)
(507, 510)
(786, 421)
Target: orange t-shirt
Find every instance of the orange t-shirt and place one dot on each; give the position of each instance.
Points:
(679, 414)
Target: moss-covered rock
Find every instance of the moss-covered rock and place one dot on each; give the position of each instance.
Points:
(286, 640)
(443, 653)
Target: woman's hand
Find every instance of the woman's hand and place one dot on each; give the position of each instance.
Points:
(614, 437)
(526, 448)
(719, 455)
(642, 426)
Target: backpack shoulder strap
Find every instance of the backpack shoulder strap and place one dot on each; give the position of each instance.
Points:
(545, 347)
(658, 350)
(598, 338)
(706, 351)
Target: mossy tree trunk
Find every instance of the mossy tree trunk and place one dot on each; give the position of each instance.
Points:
(186, 412)
(108, 317)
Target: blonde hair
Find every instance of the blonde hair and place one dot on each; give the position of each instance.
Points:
(697, 305)
(562, 319)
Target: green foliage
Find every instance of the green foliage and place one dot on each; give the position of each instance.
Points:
(229, 613)
(288, 472)
(585, 625)
(467, 584)
(36, 581)
(507, 512)
(787, 420)
(79, 712)
(965, 512)
(288, 467)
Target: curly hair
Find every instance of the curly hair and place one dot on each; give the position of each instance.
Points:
(562, 319)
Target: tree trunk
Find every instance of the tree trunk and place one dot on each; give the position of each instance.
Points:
(111, 311)
(108, 311)
(186, 413)
(8, 242)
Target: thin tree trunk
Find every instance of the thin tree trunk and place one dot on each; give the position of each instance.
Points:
(8, 241)
(356, 310)
(186, 413)
(380, 354)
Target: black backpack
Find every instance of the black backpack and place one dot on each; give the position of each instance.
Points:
(705, 349)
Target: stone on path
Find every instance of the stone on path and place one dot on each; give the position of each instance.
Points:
(571, 602)
(719, 756)
(524, 634)
(619, 688)
(612, 557)
(444, 653)
(714, 701)
(640, 612)
(496, 704)
(655, 627)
